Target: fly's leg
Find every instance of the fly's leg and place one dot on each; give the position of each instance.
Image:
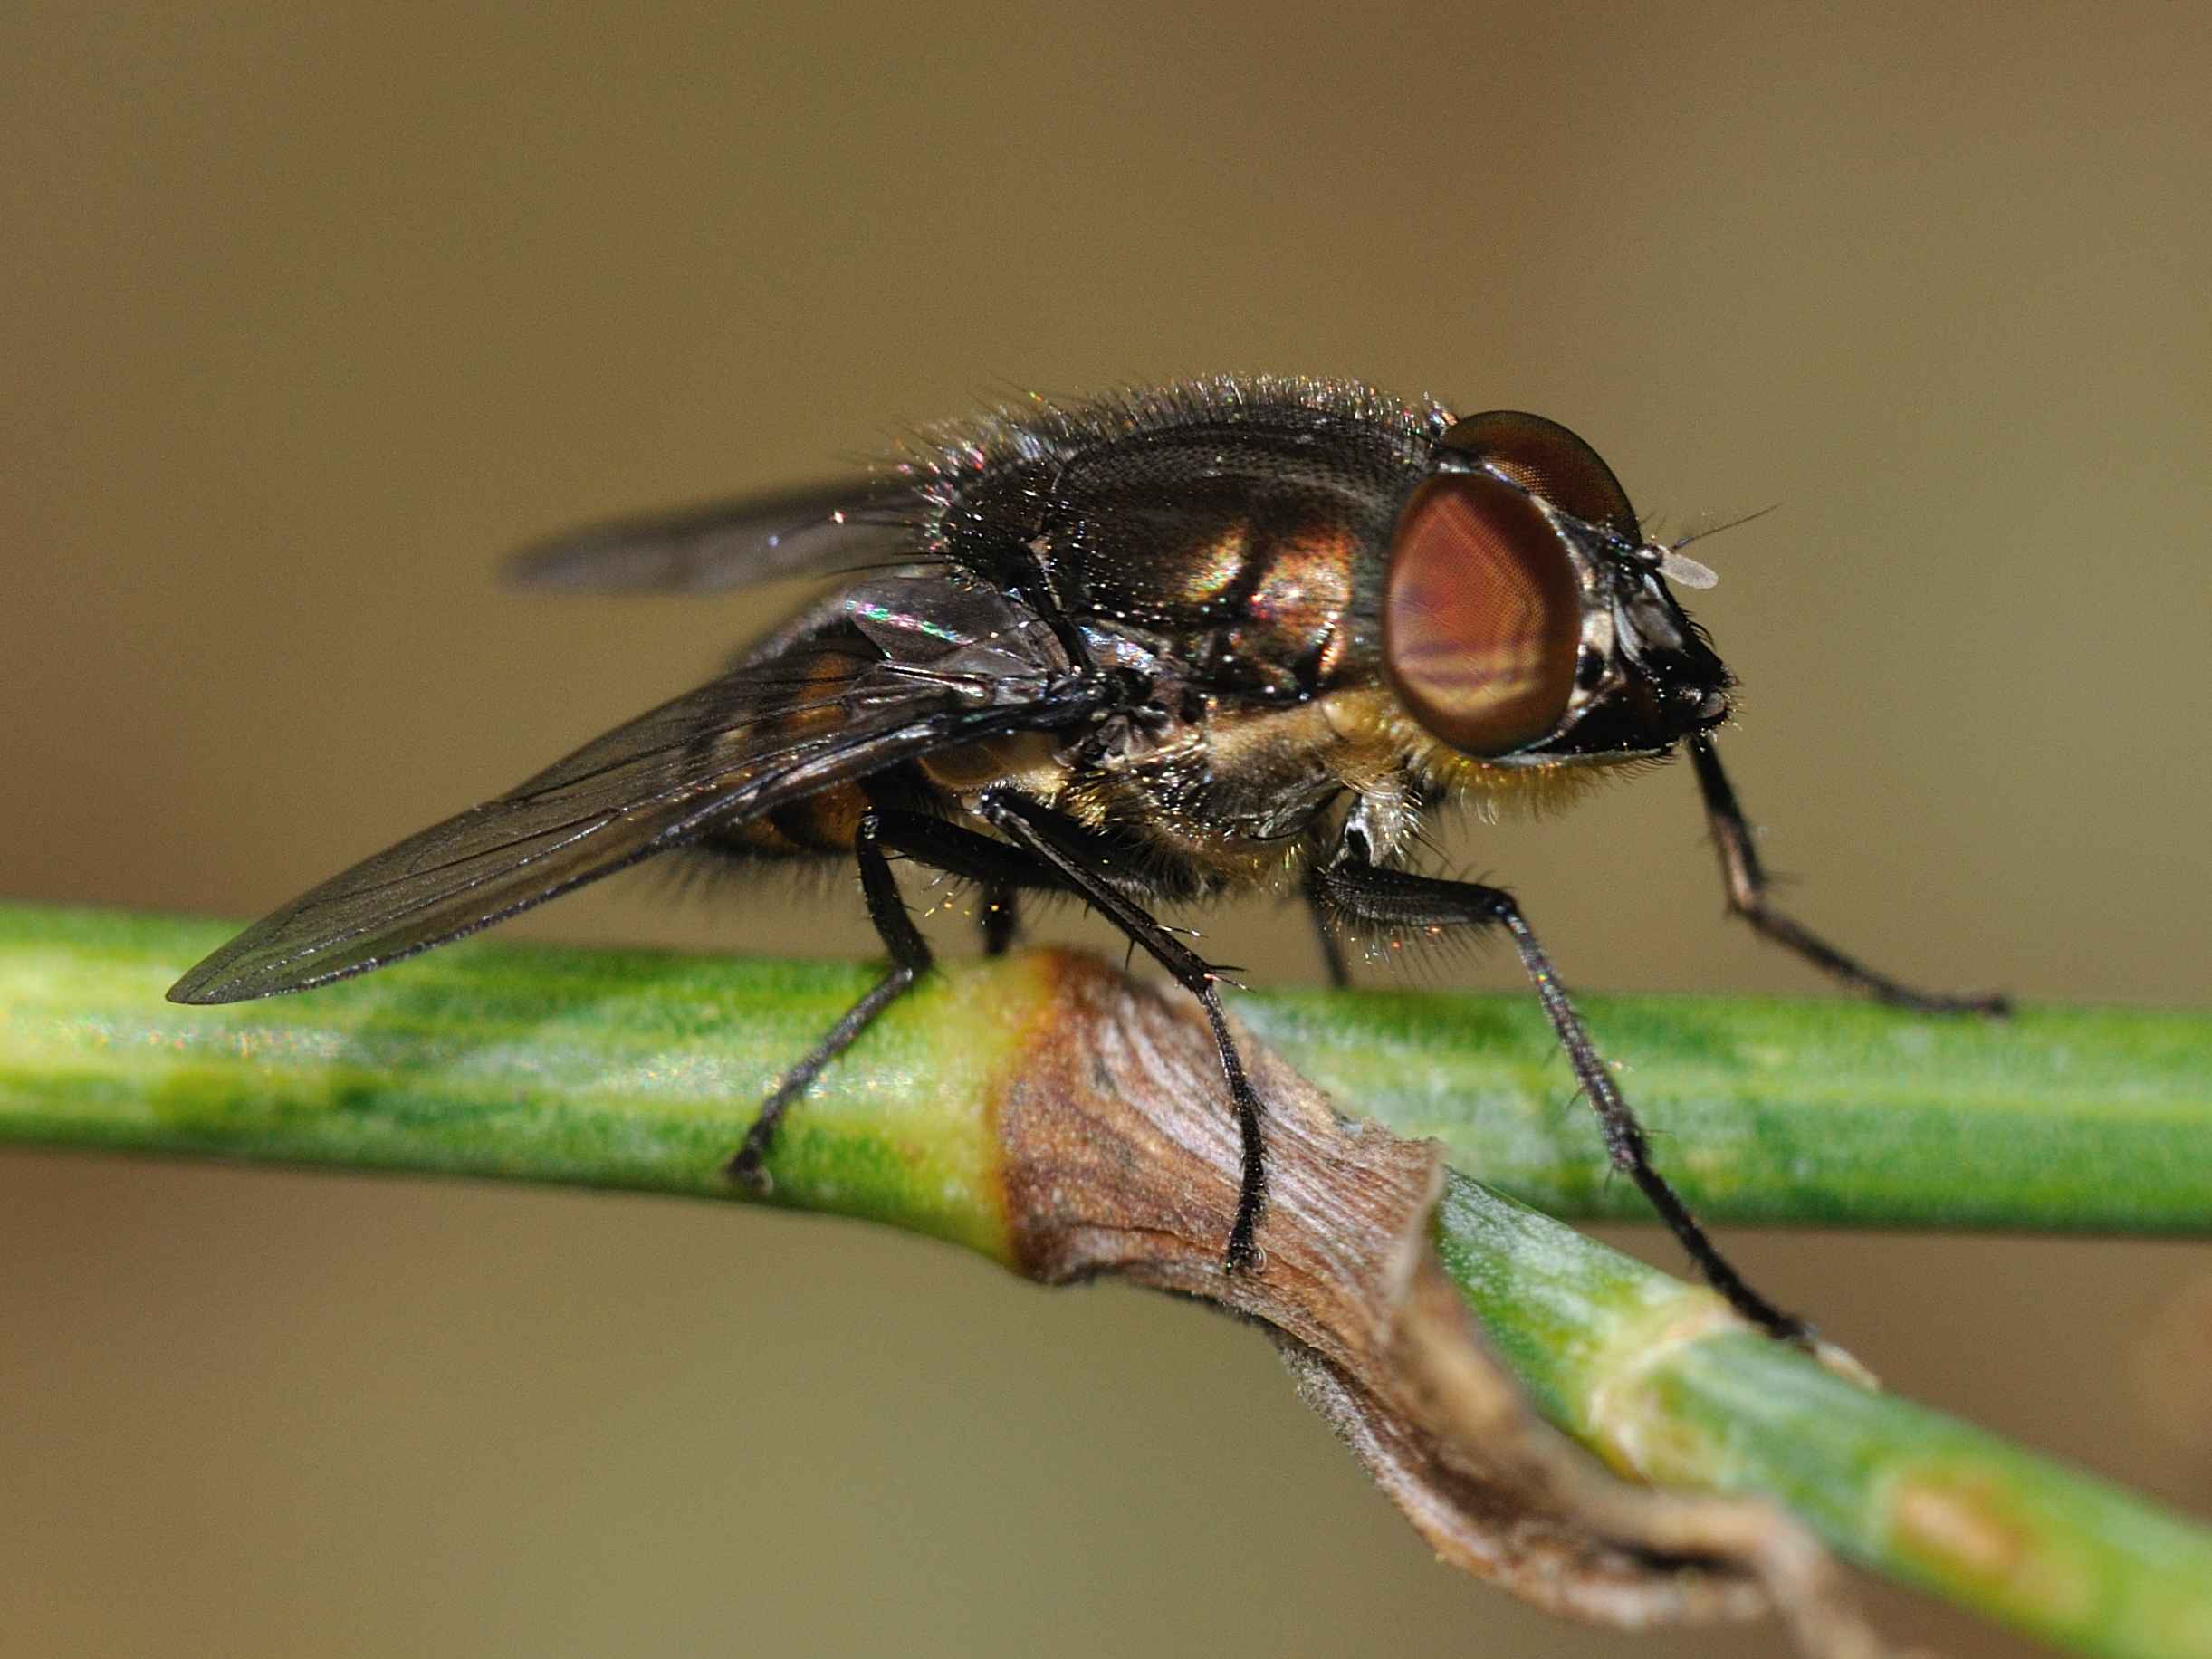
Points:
(1747, 885)
(1356, 890)
(1083, 863)
(1325, 935)
(1004, 872)
(1001, 871)
(910, 957)
(1001, 921)
(960, 852)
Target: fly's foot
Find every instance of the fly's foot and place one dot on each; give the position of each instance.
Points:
(1996, 1005)
(1244, 1256)
(749, 1168)
(1991, 1005)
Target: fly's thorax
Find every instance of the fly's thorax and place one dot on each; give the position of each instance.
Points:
(1253, 613)
(1283, 631)
(1239, 550)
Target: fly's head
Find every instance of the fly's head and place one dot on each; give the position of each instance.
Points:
(1526, 623)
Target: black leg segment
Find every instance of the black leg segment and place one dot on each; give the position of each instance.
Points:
(910, 957)
(999, 920)
(1002, 871)
(1325, 935)
(1085, 863)
(1359, 891)
(1746, 887)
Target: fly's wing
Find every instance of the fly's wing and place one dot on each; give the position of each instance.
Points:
(918, 665)
(822, 529)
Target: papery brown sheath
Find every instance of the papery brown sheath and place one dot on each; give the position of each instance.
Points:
(1231, 634)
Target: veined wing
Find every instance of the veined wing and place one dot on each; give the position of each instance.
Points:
(819, 529)
(880, 689)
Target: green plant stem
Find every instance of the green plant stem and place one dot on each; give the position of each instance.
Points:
(641, 1070)
(1627, 1361)
(1829, 1112)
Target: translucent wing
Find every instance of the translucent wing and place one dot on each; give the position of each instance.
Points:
(909, 665)
(846, 525)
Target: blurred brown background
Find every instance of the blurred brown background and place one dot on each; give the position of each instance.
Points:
(308, 314)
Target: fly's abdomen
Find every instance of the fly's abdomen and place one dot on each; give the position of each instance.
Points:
(802, 700)
(819, 824)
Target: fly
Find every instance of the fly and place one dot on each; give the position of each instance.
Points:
(1227, 634)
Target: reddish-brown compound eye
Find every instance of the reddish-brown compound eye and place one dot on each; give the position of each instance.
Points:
(1546, 459)
(1481, 615)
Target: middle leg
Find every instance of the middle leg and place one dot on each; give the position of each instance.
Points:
(999, 920)
(1087, 865)
(1332, 962)
(1359, 890)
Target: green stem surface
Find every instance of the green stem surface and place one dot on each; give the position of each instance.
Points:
(1831, 1113)
(1630, 1361)
(641, 1070)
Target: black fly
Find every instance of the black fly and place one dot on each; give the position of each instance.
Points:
(1231, 634)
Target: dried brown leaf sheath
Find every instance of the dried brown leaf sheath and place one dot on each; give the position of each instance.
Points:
(1120, 1155)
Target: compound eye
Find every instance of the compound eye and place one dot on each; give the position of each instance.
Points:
(1546, 459)
(1481, 615)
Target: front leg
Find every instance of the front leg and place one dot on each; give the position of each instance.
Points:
(1747, 885)
(1357, 890)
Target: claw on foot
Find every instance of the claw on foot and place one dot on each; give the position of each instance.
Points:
(749, 1169)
